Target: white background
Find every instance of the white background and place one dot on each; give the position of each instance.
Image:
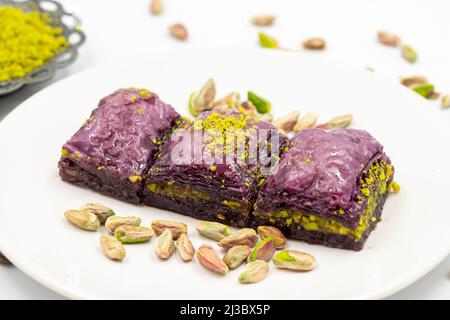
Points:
(126, 28)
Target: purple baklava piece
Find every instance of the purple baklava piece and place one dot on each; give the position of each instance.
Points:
(329, 189)
(115, 147)
(212, 167)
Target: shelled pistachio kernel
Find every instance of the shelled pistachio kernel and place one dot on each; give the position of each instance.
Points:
(185, 247)
(264, 250)
(445, 102)
(408, 53)
(177, 228)
(267, 41)
(279, 240)
(245, 236)
(82, 219)
(338, 122)
(133, 234)
(236, 256)
(210, 259)
(388, 39)
(255, 271)
(102, 212)
(305, 122)
(113, 222)
(164, 245)
(213, 230)
(261, 104)
(112, 248)
(294, 260)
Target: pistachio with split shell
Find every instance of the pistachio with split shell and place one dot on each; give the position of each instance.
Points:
(338, 122)
(133, 234)
(264, 250)
(213, 230)
(102, 212)
(245, 236)
(263, 21)
(294, 260)
(164, 245)
(255, 271)
(279, 240)
(185, 248)
(177, 228)
(203, 100)
(82, 219)
(113, 222)
(210, 259)
(305, 122)
(236, 256)
(286, 124)
(112, 248)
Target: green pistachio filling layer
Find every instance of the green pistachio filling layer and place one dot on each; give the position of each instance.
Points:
(373, 186)
(185, 193)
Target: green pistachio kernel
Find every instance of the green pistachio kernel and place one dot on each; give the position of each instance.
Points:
(261, 104)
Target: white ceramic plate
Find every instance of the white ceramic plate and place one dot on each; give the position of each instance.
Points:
(411, 240)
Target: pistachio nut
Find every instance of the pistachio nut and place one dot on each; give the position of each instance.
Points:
(264, 250)
(314, 44)
(388, 39)
(133, 234)
(263, 21)
(412, 81)
(178, 31)
(279, 240)
(112, 248)
(445, 102)
(305, 122)
(249, 108)
(83, 219)
(203, 100)
(408, 53)
(102, 212)
(286, 124)
(294, 260)
(337, 122)
(210, 259)
(236, 256)
(425, 90)
(245, 236)
(267, 41)
(177, 228)
(156, 6)
(164, 245)
(185, 247)
(261, 104)
(213, 230)
(255, 271)
(113, 222)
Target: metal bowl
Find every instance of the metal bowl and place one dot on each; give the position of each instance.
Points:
(70, 25)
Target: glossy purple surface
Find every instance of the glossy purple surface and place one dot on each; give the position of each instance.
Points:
(320, 172)
(123, 133)
(233, 178)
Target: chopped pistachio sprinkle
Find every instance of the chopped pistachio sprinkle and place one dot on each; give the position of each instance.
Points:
(27, 41)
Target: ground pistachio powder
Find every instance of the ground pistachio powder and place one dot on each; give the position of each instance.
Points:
(27, 41)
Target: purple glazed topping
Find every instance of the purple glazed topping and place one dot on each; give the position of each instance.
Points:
(235, 178)
(320, 172)
(123, 133)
